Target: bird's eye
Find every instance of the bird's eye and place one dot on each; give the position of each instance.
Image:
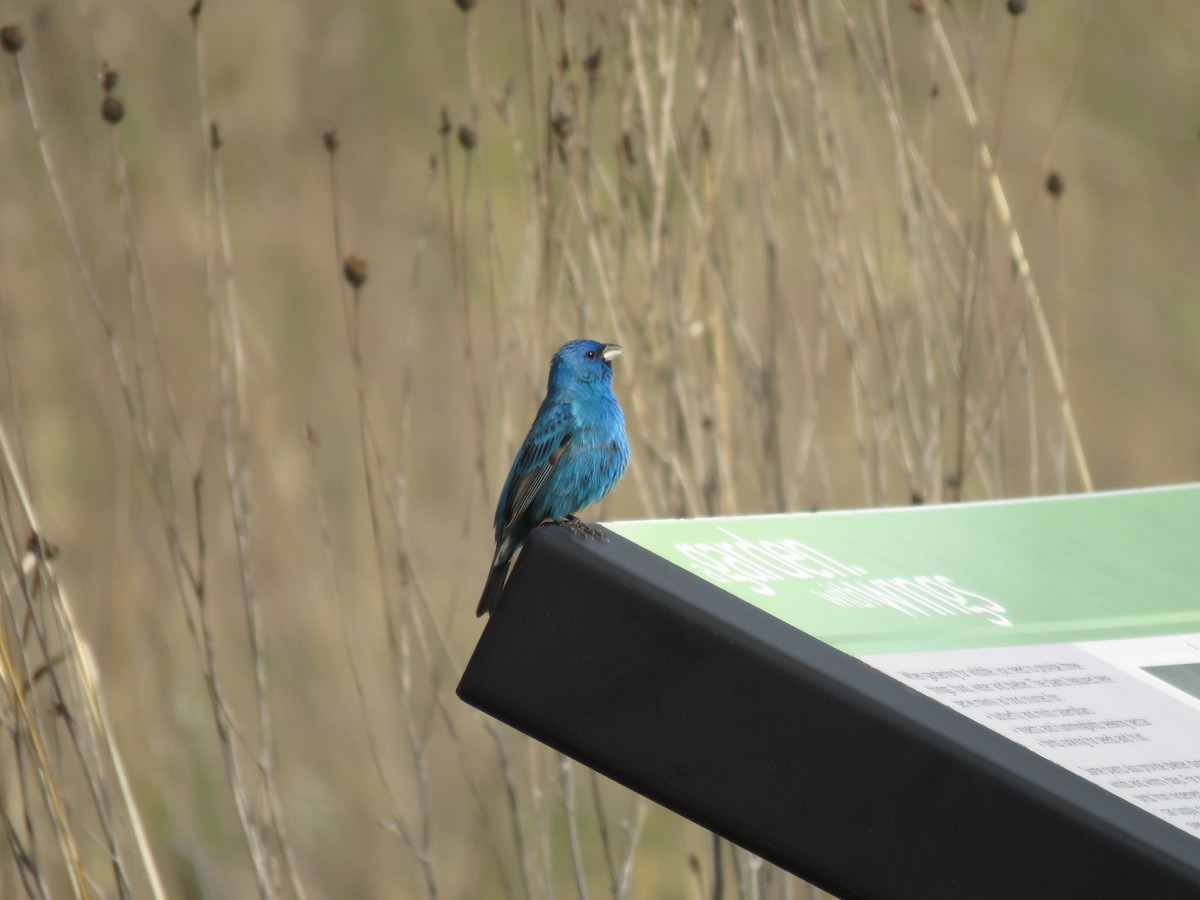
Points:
(591, 354)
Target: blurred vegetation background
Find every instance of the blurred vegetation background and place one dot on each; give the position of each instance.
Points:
(273, 322)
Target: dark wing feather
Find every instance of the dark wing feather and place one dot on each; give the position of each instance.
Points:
(530, 486)
(538, 456)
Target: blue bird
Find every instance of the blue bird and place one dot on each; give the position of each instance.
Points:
(574, 454)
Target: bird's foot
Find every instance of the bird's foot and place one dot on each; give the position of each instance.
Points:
(583, 529)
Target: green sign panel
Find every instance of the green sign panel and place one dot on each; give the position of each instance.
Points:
(1047, 570)
(1070, 625)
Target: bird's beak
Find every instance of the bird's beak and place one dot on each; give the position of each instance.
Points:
(611, 352)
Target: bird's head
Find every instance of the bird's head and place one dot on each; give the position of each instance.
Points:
(583, 361)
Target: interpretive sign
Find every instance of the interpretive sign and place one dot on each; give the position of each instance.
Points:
(1069, 624)
(985, 700)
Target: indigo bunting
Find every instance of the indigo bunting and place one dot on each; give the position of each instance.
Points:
(574, 454)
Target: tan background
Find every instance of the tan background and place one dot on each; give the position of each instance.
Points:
(1106, 94)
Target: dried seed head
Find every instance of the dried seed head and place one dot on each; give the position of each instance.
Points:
(561, 125)
(593, 63)
(354, 268)
(917, 498)
(40, 547)
(467, 137)
(1054, 183)
(311, 436)
(445, 126)
(214, 137)
(112, 110)
(332, 141)
(108, 77)
(12, 38)
(465, 5)
(1016, 7)
(194, 12)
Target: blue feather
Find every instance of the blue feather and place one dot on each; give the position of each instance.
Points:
(575, 453)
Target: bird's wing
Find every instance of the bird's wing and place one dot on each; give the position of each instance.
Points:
(539, 456)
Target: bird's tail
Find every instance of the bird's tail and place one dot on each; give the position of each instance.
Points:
(493, 588)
